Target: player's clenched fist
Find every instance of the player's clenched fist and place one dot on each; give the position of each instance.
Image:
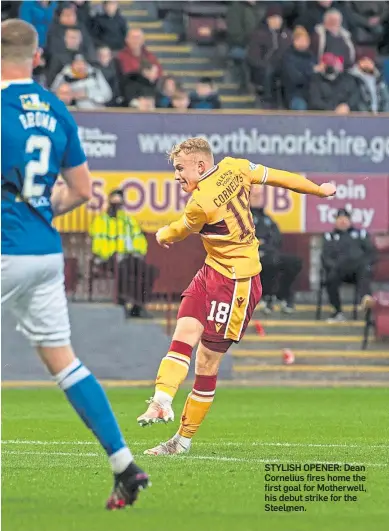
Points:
(160, 242)
(327, 190)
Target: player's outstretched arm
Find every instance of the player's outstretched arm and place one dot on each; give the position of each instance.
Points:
(76, 190)
(172, 233)
(298, 183)
(192, 221)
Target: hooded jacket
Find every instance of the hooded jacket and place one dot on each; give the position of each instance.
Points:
(374, 93)
(326, 93)
(341, 45)
(98, 91)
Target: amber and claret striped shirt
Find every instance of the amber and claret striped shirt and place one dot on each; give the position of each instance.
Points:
(219, 210)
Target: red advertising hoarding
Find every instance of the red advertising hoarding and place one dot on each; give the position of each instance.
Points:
(366, 196)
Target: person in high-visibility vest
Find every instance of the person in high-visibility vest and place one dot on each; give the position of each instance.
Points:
(117, 236)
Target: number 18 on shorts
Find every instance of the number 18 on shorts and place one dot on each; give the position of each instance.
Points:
(224, 306)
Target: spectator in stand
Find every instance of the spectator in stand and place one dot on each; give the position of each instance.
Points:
(180, 100)
(331, 37)
(67, 18)
(117, 238)
(367, 21)
(137, 83)
(332, 89)
(110, 27)
(292, 11)
(109, 69)
(266, 48)
(135, 52)
(9, 9)
(145, 102)
(57, 46)
(73, 45)
(374, 93)
(65, 94)
(298, 66)
(84, 17)
(167, 87)
(384, 44)
(242, 19)
(205, 95)
(348, 256)
(90, 89)
(313, 14)
(279, 270)
(40, 14)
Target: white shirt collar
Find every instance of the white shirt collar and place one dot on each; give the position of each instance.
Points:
(208, 173)
(7, 82)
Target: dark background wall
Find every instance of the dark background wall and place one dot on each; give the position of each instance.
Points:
(110, 346)
(179, 264)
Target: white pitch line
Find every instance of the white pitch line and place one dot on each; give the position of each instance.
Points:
(191, 457)
(254, 460)
(50, 443)
(203, 443)
(318, 445)
(82, 454)
(92, 454)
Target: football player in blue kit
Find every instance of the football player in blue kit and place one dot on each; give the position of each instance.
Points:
(39, 140)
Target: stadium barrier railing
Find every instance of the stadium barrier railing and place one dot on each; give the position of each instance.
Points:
(120, 280)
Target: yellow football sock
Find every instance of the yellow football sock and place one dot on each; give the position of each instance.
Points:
(197, 405)
(174, 368)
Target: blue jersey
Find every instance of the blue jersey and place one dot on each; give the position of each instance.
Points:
(39, 137)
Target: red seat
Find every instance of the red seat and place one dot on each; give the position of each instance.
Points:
(204, 30)
(381, 268)
(205, 21)
(377, 317)
(381, 314)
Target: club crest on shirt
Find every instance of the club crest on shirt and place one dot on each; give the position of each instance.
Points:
(32, 102)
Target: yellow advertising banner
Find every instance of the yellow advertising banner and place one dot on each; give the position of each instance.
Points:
(155, 200)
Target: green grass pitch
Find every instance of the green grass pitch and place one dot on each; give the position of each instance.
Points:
(56, 477)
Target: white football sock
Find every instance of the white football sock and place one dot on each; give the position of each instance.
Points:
(163, 399)
(185, 442)
(120, 460)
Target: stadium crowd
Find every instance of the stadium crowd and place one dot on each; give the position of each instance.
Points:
(92, 59)
(321, 55)
(317, 55)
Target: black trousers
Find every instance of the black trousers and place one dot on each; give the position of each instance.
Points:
(279, 271)
(358, 273)
(136, 278)
(265, 77)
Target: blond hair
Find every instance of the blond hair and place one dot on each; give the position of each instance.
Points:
(300, 31)
(191, 145)
(19, 41)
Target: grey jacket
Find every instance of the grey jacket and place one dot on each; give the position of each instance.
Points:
(98, 92)
(319, 42)
(374, 93)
